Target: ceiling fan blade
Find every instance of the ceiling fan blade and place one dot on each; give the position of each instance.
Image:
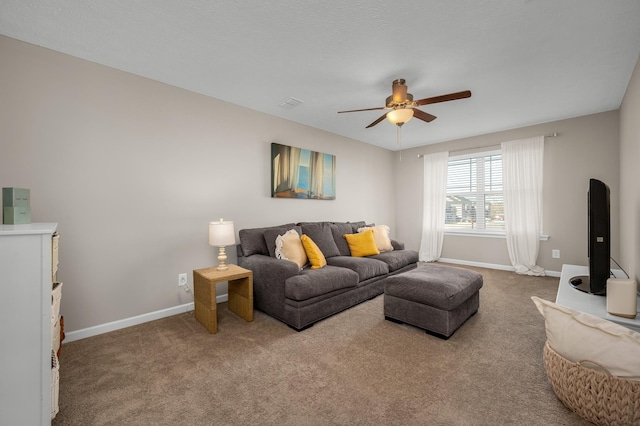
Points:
(424, 116)
(377, 121)
(444, 98)
(366, 109)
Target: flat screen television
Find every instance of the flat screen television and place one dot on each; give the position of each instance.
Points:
(599, 241)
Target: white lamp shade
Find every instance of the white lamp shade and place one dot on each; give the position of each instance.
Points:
(400, 116)
(221, 233)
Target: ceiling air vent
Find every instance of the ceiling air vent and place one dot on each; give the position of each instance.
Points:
(290, 103)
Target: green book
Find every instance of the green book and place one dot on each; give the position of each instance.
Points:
(16, 215)
(16, 197)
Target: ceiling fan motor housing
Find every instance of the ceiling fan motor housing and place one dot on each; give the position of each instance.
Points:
(399, 95)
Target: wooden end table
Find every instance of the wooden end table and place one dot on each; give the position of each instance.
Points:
(240, 294)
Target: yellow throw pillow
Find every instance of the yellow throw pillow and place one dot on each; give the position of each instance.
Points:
(362, 244)
(313, 253)
(380, 236)
(289, 247)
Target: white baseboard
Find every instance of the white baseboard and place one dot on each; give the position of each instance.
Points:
(478, 264)
(491, 266)
(128, 322)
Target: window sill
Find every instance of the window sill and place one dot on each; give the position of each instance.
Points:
(484, 234)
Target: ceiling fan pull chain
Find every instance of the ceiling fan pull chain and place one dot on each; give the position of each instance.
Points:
(399, 139)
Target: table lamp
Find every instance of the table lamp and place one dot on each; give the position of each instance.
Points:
(221, 234)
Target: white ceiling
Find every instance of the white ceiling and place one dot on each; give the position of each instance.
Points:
(525, 61)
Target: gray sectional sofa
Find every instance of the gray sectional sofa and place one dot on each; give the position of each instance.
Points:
(299, 298)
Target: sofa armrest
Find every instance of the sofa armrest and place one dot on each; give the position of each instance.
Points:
(269, 276)
(397, 245)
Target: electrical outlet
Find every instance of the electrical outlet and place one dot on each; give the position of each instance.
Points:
(182, 279)
(555, 254)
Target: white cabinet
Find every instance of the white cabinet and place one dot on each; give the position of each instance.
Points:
(26, 274)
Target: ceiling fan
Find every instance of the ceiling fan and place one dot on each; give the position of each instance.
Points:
(402, 105)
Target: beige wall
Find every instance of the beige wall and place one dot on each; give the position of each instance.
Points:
(586, 147)
(133, 170)
(630, 177)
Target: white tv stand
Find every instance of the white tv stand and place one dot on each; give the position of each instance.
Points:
(589, 303)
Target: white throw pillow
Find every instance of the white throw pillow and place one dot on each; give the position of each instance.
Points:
(380, 236)
(289, 247)
(578, 336)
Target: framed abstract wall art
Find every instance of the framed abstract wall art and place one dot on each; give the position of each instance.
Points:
(302, 173)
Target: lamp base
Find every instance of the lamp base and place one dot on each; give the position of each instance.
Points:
(222, 260)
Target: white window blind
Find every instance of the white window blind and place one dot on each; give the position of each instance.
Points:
(475, 199)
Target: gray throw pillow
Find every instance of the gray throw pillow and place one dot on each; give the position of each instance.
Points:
(356, 225)
(338, 230)
(320, 233)
(253, 242)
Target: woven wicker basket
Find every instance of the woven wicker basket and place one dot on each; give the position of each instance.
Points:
(596, 396)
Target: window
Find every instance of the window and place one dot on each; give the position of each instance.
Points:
(475, 200)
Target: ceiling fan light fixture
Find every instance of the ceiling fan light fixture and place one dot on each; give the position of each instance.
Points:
(400, 116)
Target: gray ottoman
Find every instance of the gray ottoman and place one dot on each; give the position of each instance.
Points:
(436, 298)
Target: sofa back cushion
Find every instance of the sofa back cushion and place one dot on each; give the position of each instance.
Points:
(356, 225)
(253, 241)
(320, 233)
(338, 230)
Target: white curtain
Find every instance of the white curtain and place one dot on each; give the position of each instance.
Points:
(434, 205)
(522, 179)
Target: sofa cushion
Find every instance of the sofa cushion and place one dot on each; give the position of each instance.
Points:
(320, 233)
(397, 245)
(397, 259)
(338, 230)
(357, 225)
(311, 283)
(381, 237)
(362, 244)
(289, 247)
(252, 240)
(316, 258)
(578, 336)
(270, 236)
(365, 267)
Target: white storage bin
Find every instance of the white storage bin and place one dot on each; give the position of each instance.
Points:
(55, 384)
(55, 239)
(56, 297)
(55, 337)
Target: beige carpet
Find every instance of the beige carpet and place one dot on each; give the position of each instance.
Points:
(354, 368)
